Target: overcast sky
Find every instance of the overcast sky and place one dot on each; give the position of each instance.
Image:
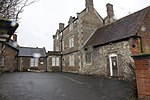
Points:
(40, 20)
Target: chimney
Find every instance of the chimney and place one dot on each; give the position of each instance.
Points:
(71, 19)
(89, 3)
(110, 11)
(15, 37)
(61, 26)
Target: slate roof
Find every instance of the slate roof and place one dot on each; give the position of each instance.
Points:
(12, 44)
(29, 51)
(121, 29)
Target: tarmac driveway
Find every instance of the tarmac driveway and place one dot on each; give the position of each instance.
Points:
(61, 86)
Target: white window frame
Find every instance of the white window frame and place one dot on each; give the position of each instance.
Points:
(34, 62)
(55, 61)
(111, 69)
(71, 60)
(71, 41)
(63, 48)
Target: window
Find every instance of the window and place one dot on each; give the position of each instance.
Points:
(34, 62)
(55, 61)
(88, 58)
(63, 48)
(71, 41)
(71, 60)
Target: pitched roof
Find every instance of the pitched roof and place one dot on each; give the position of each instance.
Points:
(29, 52)
(121, 29)
(13, 44)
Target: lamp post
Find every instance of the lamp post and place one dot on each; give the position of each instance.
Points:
(7, 29)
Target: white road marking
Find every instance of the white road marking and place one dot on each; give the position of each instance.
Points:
(71, 79)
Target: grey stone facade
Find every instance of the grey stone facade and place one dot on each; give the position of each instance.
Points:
(51, 65)
(100, 60)
(100, 47)
(32, 59)
(80, 29)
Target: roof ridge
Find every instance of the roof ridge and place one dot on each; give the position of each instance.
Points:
(32, 47)
(133, 13)
(123, 28)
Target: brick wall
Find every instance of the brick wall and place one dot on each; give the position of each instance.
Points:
(142, 65)
(10, 59)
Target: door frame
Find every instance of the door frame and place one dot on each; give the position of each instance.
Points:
(110, 60)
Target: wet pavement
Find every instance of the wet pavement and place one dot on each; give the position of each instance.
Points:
(61, 86)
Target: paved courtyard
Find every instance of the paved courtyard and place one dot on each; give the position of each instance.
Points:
(61, 86)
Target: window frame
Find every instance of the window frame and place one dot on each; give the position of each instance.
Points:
(71, 41)
(55, 61)
(63, 45)
(34, 62)
(71, 60)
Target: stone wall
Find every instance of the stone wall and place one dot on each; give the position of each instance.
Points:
(10, 59)
(67, 67)
(142, 66)
(24, 64)
(80, 28)
(51, 68)
(100, 60)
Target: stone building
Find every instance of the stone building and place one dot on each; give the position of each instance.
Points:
(108, 51)
(10, 55)
(69, 40)
(30, 58)
(54, 61)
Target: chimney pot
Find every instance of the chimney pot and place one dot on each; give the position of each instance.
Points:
(110, 11)
(88, 3)
(61, 26)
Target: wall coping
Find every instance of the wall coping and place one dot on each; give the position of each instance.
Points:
(141, 55)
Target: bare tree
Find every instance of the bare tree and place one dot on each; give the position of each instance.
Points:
(10, 9)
